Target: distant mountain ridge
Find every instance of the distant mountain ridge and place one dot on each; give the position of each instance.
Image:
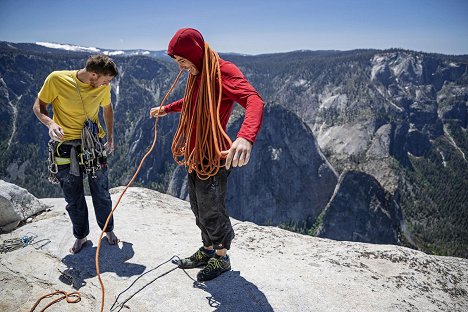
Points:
(81, 49)
(398, 116)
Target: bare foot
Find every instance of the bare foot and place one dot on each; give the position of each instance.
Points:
(111, 238)
(78, 245)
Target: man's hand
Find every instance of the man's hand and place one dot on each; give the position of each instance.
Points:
(55, 132)
(109, 146)
(155, 111)
(239, 153)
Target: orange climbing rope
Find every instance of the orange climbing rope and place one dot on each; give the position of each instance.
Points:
(211, 139)
(205, 157)
(71, 297)
(203, 114)
(126, 187)
(76, 295)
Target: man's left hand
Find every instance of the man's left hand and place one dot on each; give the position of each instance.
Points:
(109, 145)
(239, 153)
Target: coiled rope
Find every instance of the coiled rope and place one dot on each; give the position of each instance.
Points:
(205, 157)
(71, 297)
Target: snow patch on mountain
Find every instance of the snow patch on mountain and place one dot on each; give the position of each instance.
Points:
(110, 52)
(68, 47)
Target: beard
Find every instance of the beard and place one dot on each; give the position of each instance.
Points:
(93, 82)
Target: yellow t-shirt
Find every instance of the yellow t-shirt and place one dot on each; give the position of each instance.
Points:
(59, 89)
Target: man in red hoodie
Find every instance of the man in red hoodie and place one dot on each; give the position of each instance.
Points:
(207, 192)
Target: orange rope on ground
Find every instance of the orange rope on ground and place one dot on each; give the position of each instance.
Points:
(125, 189)
(77, 294)
(205, 157)
(71, 297)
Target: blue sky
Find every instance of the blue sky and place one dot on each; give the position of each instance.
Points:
(251, 27)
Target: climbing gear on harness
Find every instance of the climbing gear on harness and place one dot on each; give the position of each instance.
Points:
(203, 116)
(93, 154)
(90, 158)
(53, 166)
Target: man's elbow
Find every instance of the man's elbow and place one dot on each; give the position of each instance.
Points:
(108, 109)
(35, 106)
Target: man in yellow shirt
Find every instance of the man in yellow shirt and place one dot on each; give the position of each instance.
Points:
(76, 97)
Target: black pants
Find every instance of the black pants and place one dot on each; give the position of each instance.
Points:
(207, 200)
(72, 187)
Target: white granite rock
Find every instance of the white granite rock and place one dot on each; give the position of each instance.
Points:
(16, 205)
(272, 269)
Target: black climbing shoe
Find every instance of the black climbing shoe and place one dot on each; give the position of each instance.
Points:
(198, 259)
(215, 267)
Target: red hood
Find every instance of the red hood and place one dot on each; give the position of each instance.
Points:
(188, 43)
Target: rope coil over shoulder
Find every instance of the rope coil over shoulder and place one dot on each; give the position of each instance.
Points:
(203, 115)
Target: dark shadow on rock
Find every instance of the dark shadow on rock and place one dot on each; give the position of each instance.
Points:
(231, 292)
(112, 258)
(122, 299)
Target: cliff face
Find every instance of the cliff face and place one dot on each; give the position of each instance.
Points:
(288, 180)
(399, 116)
(361, 210)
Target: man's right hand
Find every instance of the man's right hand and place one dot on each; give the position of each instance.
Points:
(55, 132)
(155, 111)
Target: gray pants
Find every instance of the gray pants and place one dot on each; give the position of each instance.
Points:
(207, 200)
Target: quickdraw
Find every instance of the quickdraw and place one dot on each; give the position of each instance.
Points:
(91, 158)
(53, 167)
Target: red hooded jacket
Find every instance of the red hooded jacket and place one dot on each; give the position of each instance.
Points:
(189, 43)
